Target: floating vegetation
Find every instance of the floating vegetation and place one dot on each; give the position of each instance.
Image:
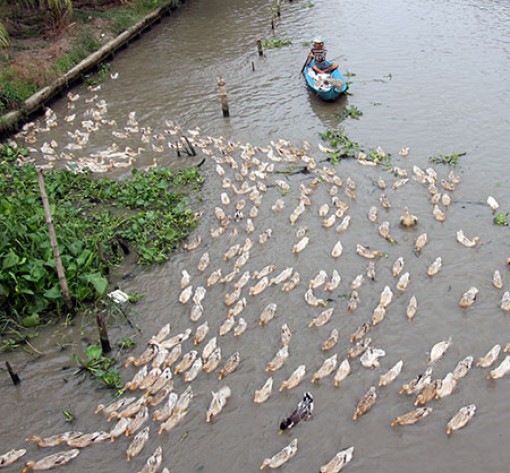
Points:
(307, 5)
(450, 159)
(99, 367)
(501, 219)
(351, 112)
(98, 76)
(276, 43)
(97, 222)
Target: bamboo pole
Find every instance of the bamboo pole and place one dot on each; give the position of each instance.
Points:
(54, 243)
(259, 45)
(103, 332)
(14, 377)
(223, 96)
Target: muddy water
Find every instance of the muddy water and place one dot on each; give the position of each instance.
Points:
(430, 76)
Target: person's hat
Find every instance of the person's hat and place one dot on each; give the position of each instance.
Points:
(318, 39)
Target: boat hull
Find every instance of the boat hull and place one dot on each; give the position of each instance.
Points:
(328, 93)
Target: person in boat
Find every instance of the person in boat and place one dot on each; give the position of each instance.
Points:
(318, 54)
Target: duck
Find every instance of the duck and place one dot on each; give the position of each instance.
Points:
(384, 231)
(361, 331)
(342, 372)
(138, 442)
(285, 334)
(344, 224)
(193, 372)
(300, 245)
(227, 326)
(11, 456)
(312, 300)
(398, 184)
(386, 297)
(279, 359)
(403, 282)
(408, 220)
(212, 361)
(497, 281)
(365, 403)
(240, 328)
(282, 456)
(173, 356)
(367, 252)
(327, 367)
(87, 439)
(461, 418)
(331, 341)
(446, 387)
(218, 402)
(412, 417)
(337, 250)
(462, 239)
(398, 266)
(338, 461)
(412, 307)
(421, 241)
(469, 297)
(505, 301)
(322, 318)
(162, 414)
(282, 276)
(129, 410)
(438, 214)
(259, 286)
(294, 379)
(490, 357)
(291, 283)
(162, 394)
(201, 333)
(230, 365)
(439, 349)
(501, 370)
(334, 283)
(51, 461)
(492, 203)
(318, 280)
(390, 375)
(262, 394)
(417, 383)
(370, 359)
(435, 267)
(153, 463)
(268, 313)
(204, 261)
(372, 214)
(359, 348)
(462, 368)
(185, 295)
(303, 411)
(428, 392)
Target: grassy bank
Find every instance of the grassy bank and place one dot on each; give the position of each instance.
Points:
(40, 50)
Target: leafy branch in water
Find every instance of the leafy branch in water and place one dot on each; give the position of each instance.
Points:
(450, 159)
(99, 367)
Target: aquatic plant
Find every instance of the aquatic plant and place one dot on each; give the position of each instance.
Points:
(501, 219)
(275, 43)
(97, 222)
(99, 367)
(98, 76)
(450, 159)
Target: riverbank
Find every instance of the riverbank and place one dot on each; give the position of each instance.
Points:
(39, 63)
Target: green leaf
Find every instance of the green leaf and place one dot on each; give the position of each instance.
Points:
(31, 321)
(53, 293)
(99, 282)
(94, 352)
(10, 260)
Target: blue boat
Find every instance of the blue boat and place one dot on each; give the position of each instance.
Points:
(329, 89)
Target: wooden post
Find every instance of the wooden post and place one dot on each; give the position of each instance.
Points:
(278, 8)
(223, 96)
(259, 45)
(54, 244)
(14, 377)
(192, 151)
(253, 66)
(103, 333)
(177, 149)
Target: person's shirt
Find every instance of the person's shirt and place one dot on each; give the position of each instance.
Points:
(319, 55)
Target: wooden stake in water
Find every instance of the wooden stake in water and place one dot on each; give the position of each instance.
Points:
(278, 8)
(54, 244)
(223, 97)
(14, 377)
(259, 45)
(103, 333)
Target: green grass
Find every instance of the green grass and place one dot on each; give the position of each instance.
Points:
(85, 44)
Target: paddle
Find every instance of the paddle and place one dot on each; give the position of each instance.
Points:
(308, 60)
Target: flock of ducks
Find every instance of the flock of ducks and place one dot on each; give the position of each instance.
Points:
(248, 175)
